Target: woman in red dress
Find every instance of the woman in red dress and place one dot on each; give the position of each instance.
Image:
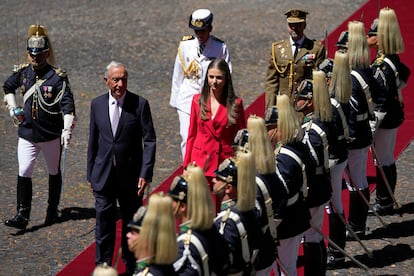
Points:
(216, 116)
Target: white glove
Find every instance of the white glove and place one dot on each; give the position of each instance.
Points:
(277, 222)
(10, 101)
(374, 124)
(68, 125)
(332, 162)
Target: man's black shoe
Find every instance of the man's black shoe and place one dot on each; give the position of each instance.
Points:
(19, 221)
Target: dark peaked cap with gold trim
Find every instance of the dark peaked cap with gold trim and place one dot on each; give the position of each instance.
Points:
(200, 19)
(296, 16)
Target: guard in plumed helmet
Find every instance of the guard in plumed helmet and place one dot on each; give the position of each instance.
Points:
(360, 112)
(237, 221)
(201, 249)
(340, 89)
(292, 60)
(391, 74)
(45, 117)
(271, 194)
(291, 161)
(319, 136)
(193, 57)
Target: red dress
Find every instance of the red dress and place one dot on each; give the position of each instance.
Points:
(210, 141)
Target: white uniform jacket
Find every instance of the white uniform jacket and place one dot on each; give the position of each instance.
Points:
(190, 69)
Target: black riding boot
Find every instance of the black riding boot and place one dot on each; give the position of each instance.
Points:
(55, 188)
(24, 203)
(337, 235)
(315, 258)
(383, 202)
(358, 213)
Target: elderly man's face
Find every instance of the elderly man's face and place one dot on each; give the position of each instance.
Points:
(117, 81)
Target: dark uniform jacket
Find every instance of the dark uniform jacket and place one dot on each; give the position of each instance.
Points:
(359, 129)
(319, 182)
(295, 214)
(133, 145)
(340, 151)
(388, 101)
(215, 247)
(278, 195)
(281, 66)
(44, 109)
(233, 239)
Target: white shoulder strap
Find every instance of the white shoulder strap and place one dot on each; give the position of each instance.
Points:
(204, 256)
(188, 239)
(365, 87)
(32, 89)
(397, 77)
(341, 113)
(295, 157)
(268, 203)
(243, 236)
(310, 125)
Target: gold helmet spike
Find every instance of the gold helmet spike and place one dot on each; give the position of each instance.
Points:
(37, 30)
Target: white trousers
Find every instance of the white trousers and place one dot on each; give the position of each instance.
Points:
(27, 153)
(184, 119)
(317, 215)
(357, 164)
(384, 141)
(337, 172)
(288, 251)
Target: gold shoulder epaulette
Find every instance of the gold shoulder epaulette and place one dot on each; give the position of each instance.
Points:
(187, 37)
(19, 67)
(278, 42)
(317, 42)
(60, 72)
(217, 39)
(379, 60)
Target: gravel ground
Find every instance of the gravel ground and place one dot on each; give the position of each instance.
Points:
(86, 35)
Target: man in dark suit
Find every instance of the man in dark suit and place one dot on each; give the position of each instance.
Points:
(121, 156)
(292, 60)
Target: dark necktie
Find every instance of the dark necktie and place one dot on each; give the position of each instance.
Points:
(201, 49)
(296, 50)
(115, 117)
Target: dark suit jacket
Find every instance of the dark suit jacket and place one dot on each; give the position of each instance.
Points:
(133, 145)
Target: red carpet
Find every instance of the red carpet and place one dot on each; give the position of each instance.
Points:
(83, 264)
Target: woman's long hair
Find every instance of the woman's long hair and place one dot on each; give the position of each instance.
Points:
(200, 209)
(288, 123)
(322, 107)
(389, 34)
(358, 49)
(341, 82)
(260, 145)
(228, 94)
